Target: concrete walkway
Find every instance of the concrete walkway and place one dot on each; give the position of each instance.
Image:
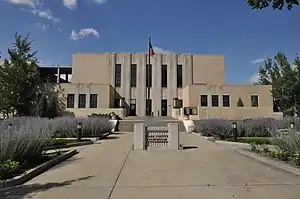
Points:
(202, 170)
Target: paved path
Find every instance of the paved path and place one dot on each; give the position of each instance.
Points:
(109, 170)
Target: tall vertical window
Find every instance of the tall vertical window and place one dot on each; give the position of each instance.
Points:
(226, 101)
(81, 100)
(179, 76)
(70, 100)
(149, 75)
(254, 100)
(118, 75)
(93, 100)
(203, 101)
(133, 75)
(164, 76)
(215, 100)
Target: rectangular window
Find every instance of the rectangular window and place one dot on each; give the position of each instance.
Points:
(254, 100)
(179, 76)
(118, 75)
(215, 100)
(133, 75)
(93, 100)
(226, 101)
(164, 76)
(193, 110)
(204, 101)
(180, 103)
(81, 100)
(149, 75)
(70, 100)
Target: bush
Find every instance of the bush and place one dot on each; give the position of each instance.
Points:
(8, 168)
(91, 127)
(24, 140)
(261, 127)
(255, 140)
(219, 128)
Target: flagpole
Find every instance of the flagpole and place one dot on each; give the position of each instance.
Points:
(148, 77)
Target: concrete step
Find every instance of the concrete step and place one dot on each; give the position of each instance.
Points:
(128, 125)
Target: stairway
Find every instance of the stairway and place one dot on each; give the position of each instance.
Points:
(127, 125)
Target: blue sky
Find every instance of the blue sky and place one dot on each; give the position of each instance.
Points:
(62, 27)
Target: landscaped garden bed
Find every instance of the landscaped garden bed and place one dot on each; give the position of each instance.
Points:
(24, 140)
(264, 136)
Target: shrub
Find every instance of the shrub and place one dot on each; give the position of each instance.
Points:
(24, 140)
(219, 128)
(261, 127)
(91, 126)
(255, 140)
(8, 168)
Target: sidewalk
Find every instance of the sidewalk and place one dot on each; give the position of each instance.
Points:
(202, 170)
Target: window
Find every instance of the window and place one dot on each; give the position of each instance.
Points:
(93, 100)
(226, 101)
(164, 76)
(149, 76)
(133, 75)
(81, 100)
(180, 103)
(203, 100)
(215, 100)
(254, 100)
(118, 75)
(70, 100)
(179, 76)
(177, 103)
(193, 110)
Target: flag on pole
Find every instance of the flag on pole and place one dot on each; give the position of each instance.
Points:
(151, 50)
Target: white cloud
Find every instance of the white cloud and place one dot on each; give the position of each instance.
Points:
(47, 14)
(258, 61)
(100, 1)
(254, 78)
(71, 4)
(31, 3)
(83, 33)
(43, 27)
(159, 50)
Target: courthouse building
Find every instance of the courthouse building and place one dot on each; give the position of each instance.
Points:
(180, 84)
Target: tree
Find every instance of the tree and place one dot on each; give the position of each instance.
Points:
(285, 81)
(42, 107)
(53, 110)
(240, 102)
(19, 78)
(276, 4)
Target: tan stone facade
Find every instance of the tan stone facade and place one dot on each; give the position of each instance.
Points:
(117, 82)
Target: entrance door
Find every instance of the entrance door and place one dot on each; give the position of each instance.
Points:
(164, 107)
(132, 107)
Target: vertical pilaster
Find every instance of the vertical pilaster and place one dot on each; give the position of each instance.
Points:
(139, 136)
(173, 136)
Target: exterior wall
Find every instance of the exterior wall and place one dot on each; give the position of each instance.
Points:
(264, 109)
(201, 74)
(100, 69)
(105, 97)
(208, 69)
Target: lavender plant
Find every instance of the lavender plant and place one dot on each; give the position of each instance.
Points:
(92, 126)
(24, 140)
(260, 127)
(214, 127)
